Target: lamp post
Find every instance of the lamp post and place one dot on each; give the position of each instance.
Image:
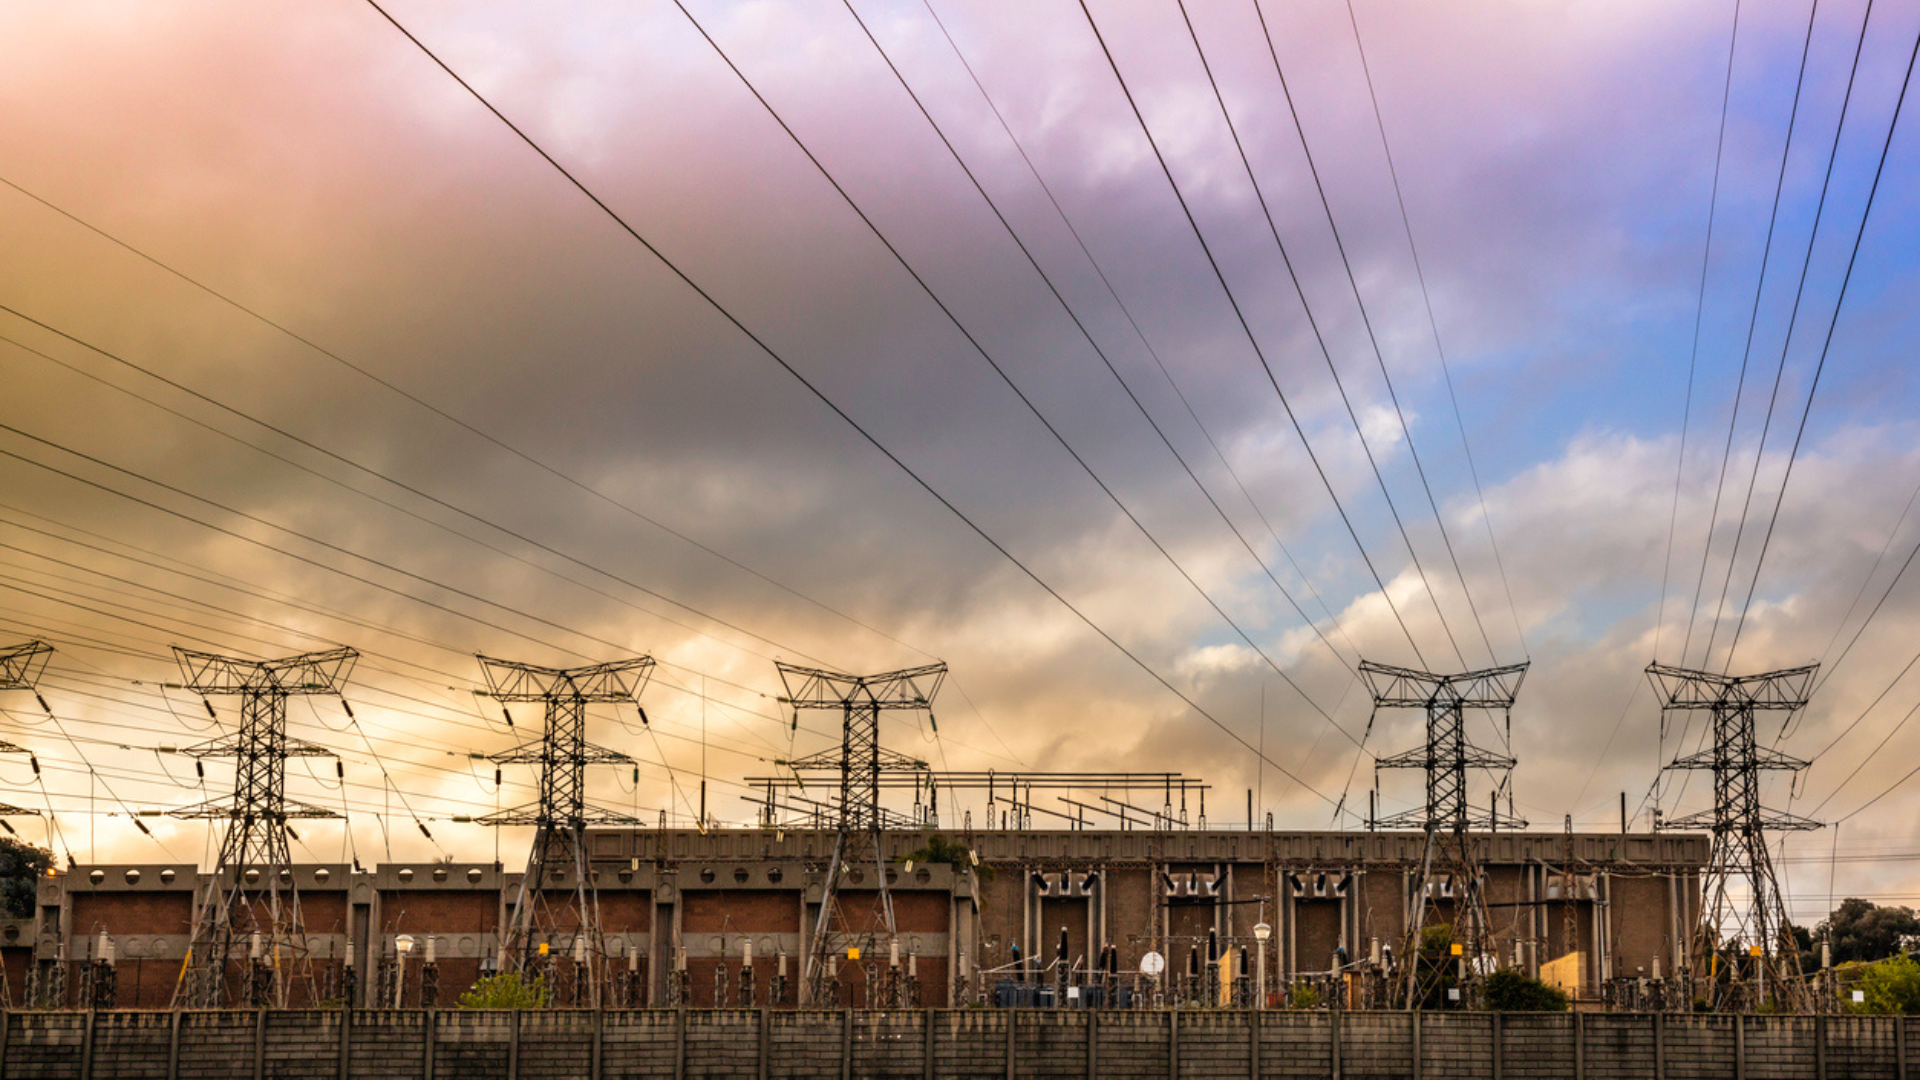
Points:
(1261, 932)
(402, 945)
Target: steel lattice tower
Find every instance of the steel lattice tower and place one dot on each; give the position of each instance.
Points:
(20, 668)
(255, 860)
(1739, 823)
(562, 814)
(859, 760)
(1449, 813)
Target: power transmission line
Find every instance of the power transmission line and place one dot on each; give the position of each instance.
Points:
(1247, 329)
(1007, 379)
(1353, 284)
(1826, 347)
(1753, 322)
(1366, 446)
(1426, 297)
(1104, 359)
(1139, 333)
(822, 397)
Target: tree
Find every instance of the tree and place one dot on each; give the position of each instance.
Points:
(22, 865)
(506, 991)
(1891, 986)
(1508, 990)
(1863, 931)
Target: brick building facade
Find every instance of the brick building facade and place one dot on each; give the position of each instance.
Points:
(682, 900)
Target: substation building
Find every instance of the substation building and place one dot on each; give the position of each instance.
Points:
(723, 917)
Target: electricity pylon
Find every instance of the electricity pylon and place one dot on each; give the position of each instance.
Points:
(859, 761)
(20, 668)
(255, 861)
(561, 815)
(1739, 825)
(1449, 813)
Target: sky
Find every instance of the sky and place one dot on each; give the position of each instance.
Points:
(863, 336)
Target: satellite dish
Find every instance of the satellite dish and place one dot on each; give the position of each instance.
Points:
(1152, 964)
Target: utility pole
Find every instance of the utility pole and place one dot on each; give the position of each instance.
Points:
(20, 669)
(251, 890)
(859, 761)
(562, 814)
(1449, 813)
(1740, 825)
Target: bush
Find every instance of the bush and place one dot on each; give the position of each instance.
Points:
(1508, 990)
(506, 991)
(1890, 986)
(1303, 996)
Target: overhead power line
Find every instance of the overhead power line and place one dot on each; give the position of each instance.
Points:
(1826, 347)
(1433, 323)
(820, 395)
(1353, 283)
(1753, 322)
(1145, 343)
(1247, 329)
(1693, 356)
(1132, 396)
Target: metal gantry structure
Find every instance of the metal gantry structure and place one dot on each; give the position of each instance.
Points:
(1449, 813)
(1756, 929)
(20, 669)
(562, 813)
(858, 762)
(1010, 797)
(251, 889)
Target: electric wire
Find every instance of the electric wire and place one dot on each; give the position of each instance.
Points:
(1813, 387)
(1007, 379)
(1353, 283)
(1693, 357)
(1446, 369)
(1105, 360)
(1115, 372)
(1247, 329)
(1146, 344)
(1753, 322)
(821, 396)
(410, 489)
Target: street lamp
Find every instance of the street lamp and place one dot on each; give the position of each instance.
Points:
(1261, 932)
(402, 945)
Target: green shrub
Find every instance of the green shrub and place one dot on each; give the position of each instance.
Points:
(1508, 990)
(506, 991)
(1890, 986)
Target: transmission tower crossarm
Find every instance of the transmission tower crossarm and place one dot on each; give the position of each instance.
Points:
(309, 673)
(818, 688)
(617, 680)
(1406, 688)
(21, 665)
(1689, 688)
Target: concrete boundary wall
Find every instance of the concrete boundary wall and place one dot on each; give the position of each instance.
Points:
(946, 1044)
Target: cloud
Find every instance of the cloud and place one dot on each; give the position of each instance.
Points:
(1555, 161)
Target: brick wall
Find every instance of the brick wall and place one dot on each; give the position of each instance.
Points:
(966, 1044)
